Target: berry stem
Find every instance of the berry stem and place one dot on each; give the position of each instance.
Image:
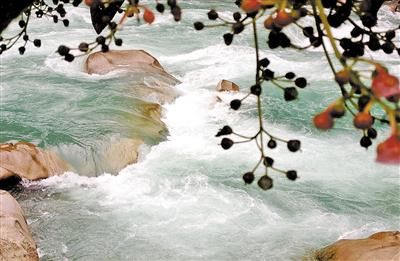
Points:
(259, 109)
(327, 29)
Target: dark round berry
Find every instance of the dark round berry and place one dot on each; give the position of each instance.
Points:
(272, 144)
(268, 75)
(160, 7)
(76, 2)
(112, 25)
(176, 12)
(265, 183)
(390, 35)
(198, 26)
(212, 15)
(3, 47)
(69, 57)
(290, 75)
(226, 143)
(226, 130)
(290, 93)
(372, 133)
(65, 22)
(22, 23)
(228, 38)
(293, 145)
(303, 11)
(301, 82)
(237, 27)
(63, 50)
(365, 142)
(237, 16)
(235, 104)
(248, 177)
(101, 39)
(118, 41)
(368, 20)
(171, 3)
(264, 62)
(105, 48)
(83, 47)
(255, 90)
(308, 31)
(388, 47)
(373, 43)
(37, 42)
(268, 161)
(356, 32)
(25, 37)
(21, 50)
(291, 174)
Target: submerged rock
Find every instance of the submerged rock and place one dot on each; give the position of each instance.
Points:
(27, 161)
(121, 154)
(138, 63)
(130, 60)
(228, 86)
(16, 242)
(382, 246)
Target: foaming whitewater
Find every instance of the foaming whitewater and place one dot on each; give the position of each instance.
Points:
(185, 199)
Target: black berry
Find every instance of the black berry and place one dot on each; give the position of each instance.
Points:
(248, 177)
(300, 82)
(268, 161)
(293, 145)
(226, 130)
(255, 90)
(365, 142)
(235, 104)
(290, 93)
(226, 143)
(291, 174)
(272, 144)
(212, 15)
(265, 183)
(198, 26)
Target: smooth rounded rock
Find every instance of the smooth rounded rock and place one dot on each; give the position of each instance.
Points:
(25, 160)
(227, 86)
(16, 242)
(382, 246)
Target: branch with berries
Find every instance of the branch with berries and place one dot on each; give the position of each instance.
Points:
(358, 95)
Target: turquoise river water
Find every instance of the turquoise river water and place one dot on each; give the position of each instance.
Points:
(185, 199)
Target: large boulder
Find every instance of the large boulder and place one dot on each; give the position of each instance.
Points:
(129, 60)
(227, 86)
(27, 161)
(382, 246)
(138, 63)
(16, 242)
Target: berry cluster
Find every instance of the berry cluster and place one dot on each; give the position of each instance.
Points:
(288, 82)
(103, 12)
(40, 9)
(358, 96)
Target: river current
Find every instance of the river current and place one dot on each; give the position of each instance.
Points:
(185, 199)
